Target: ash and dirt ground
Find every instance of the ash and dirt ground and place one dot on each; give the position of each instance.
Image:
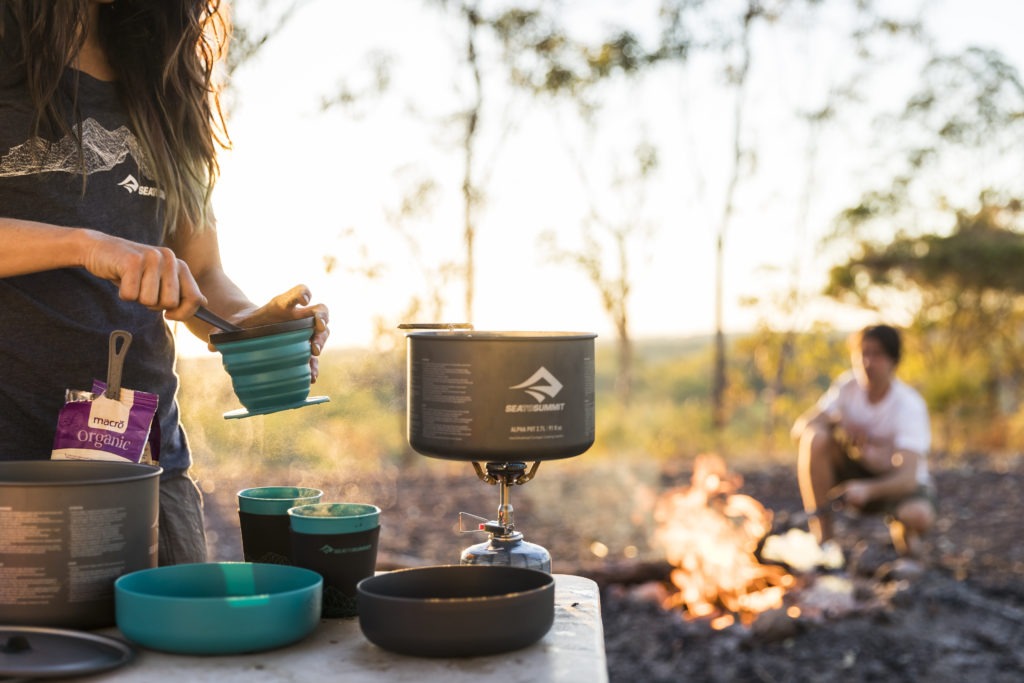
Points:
(962, 619)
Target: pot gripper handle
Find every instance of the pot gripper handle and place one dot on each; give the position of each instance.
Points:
(115, 362)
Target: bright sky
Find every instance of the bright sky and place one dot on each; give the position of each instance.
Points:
(301, 184)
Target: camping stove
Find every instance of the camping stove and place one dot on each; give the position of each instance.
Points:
(504, 545)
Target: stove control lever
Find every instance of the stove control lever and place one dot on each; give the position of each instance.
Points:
(469, 524)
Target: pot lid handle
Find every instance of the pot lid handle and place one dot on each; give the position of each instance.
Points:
(435, 326)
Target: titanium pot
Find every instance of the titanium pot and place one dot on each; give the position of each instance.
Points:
(500, 396)
(69, 529)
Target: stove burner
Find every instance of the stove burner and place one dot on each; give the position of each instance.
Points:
(505, 545)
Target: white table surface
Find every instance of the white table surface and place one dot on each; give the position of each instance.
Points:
(573, 650)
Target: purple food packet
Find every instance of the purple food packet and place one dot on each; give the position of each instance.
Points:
(92, 426)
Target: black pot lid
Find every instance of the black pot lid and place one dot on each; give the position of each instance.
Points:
(263, 330)
(40, 652)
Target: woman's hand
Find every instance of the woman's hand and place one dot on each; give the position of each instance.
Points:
(153, 276)
(291, 305)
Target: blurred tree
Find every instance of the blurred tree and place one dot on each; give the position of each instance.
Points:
(251, 31)
(781, 348)
(734, 34)
(610, 273)
(966, 291)
(762, 366)
(786, 311)
(953, 268)
(470, 192)
(478, 120)
(469, 13)
(478, 26)
(546, 61)
(738, 73)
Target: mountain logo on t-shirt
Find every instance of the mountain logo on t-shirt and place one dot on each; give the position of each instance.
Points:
(102, 150)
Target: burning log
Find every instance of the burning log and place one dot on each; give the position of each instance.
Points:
(710, 534)
(624, 573)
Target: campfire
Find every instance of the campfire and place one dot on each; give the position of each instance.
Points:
(710, 534)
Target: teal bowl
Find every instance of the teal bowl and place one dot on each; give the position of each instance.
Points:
(218, 608)
(269, 364)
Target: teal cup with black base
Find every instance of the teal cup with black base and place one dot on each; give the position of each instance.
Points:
(338, 541)
(263, 520)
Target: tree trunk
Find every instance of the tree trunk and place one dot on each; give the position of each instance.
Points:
(775, 389)
(624, 378)
(718, 387)
(469, 190)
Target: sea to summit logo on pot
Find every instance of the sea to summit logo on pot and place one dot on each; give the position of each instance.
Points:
(541, 386)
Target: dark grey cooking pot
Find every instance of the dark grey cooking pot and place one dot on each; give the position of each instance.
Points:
(500, 396)
(69, 529)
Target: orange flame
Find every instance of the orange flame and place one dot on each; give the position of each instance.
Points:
(710, 534)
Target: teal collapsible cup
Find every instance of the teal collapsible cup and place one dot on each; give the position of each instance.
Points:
(269, 366)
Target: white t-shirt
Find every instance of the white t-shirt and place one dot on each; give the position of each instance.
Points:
(900, 418)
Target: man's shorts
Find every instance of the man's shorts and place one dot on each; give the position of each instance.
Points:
(850, 467)
(182, 533)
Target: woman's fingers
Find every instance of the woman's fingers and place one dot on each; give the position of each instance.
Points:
(189, 297)
(158, 287)
(321, 331)
(314, 369)
(292, 302)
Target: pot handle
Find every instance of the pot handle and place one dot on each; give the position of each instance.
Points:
(208, 316)
(436, 326)
(115, 362)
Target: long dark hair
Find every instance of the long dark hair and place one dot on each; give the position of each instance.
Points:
(163, 53)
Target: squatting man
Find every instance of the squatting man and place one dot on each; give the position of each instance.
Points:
(864, 445)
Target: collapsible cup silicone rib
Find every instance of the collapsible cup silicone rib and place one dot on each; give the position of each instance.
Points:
(269, 371)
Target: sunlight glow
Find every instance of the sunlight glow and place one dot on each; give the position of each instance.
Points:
(304, 186)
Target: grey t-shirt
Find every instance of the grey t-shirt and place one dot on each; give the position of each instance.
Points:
(55, 325)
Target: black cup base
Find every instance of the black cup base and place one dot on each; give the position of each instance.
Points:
(343, 560)
(265, 538)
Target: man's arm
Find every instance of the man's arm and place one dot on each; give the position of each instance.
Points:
(898, 482)
(812, 417)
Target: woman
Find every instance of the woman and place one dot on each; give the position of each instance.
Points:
(109, 128)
